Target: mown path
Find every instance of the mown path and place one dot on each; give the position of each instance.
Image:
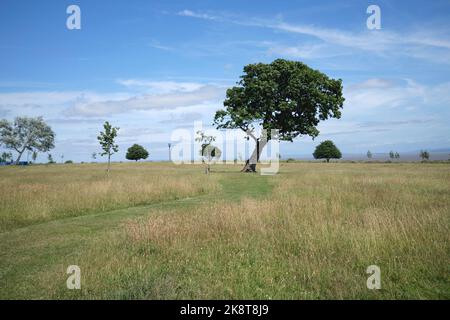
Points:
(31, 251)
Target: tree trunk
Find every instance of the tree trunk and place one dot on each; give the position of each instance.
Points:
(109, 161)
(19, 156)
(328, 160)
(250, 164)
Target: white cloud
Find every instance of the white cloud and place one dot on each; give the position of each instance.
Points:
(189, 13)
(140, 95)
(382, 94)
(374, 41)
(309, 51)
(425, 44)
(164, 101)
(55, 98)
(160, 86)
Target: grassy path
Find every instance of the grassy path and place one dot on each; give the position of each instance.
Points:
(28, 253)
(309, 232)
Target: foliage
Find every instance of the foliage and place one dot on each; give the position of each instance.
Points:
(369, 154)
(210, 152)
(6, 157)
(207, 151)
(424, 155)
(284, 95)
(327, 150)
(26, 133)
(50, 159)
(136, 152)
(107, 141)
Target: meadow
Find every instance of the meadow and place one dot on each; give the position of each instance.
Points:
(160, 231)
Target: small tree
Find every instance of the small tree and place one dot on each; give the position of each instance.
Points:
(34, 156)
(208, 152)
(327, 150)
(170, 147)
(25, 133)
(369, 154)
(6, 156)
(136, 152)
(397, 156)
(391, 155)
(50, 159)
(424, 155)
(107, 141)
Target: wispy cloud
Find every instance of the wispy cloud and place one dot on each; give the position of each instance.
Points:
(164, 101)
(308, 51)
(183, 118)
(160, 86)
(189, 13)
(140, 94)
(417, 45)
(383, 94)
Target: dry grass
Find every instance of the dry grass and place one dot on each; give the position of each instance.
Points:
(312, 238)
(310, 235)
(42, 193)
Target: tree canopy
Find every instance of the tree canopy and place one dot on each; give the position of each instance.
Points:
(25, 133)
(284, 95)
(327, 150)
(136, 152)
(210, 152)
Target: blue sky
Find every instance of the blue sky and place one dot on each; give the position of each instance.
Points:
(151, 67)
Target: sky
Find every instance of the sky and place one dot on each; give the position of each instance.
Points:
(152, 67)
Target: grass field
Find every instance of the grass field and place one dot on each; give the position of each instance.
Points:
(160, 231)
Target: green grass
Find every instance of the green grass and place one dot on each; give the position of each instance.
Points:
(308, 233)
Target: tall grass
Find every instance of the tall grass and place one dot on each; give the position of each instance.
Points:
(309, 232)
(43, 193)
(312, 238)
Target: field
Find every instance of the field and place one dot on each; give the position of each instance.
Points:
(160, 231)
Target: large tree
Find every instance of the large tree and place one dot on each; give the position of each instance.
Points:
(284, 95)
(107, 141)
(136, 152)
(26, 133)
